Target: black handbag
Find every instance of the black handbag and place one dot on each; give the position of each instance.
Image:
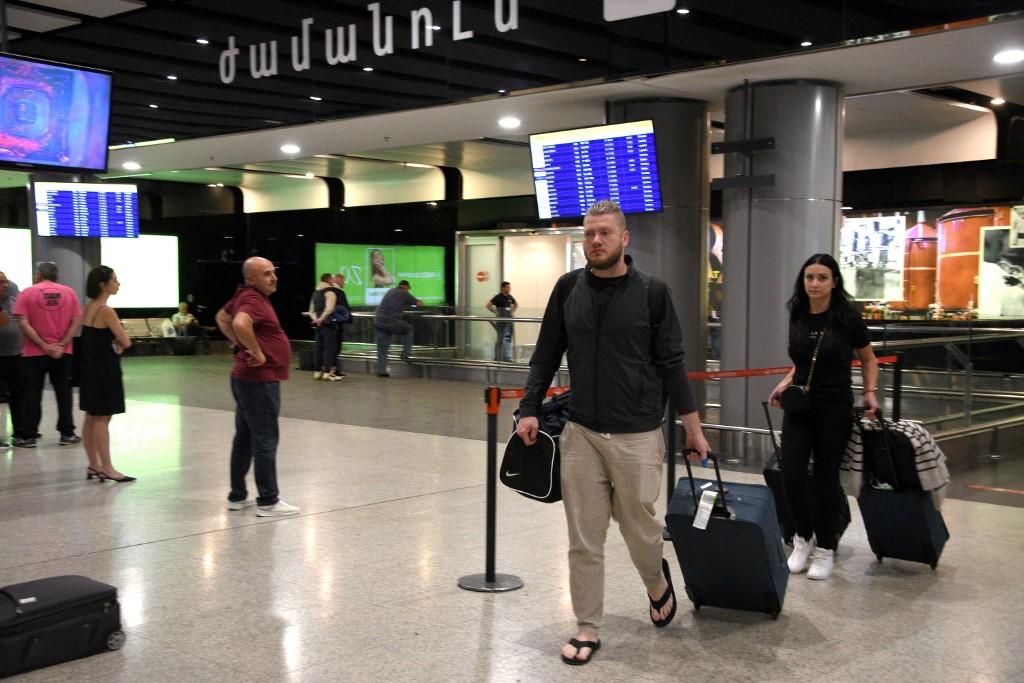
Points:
(796, 398)
(533, 471)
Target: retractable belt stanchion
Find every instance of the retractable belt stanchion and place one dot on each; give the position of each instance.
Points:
(489, 581)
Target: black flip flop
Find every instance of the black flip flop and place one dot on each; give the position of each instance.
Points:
(670, 592)
(594, 646)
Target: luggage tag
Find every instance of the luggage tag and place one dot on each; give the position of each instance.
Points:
(707, 502)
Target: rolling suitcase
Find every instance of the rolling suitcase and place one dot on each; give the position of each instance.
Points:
(738, 561)
(54, 620)
(774, 478)
(900, 519)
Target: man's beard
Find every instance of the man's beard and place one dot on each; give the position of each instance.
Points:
(609, 260)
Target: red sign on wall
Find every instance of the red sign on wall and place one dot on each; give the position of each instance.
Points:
(482, 276)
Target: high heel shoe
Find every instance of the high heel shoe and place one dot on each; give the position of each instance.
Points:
(124, 478)
(90, 473)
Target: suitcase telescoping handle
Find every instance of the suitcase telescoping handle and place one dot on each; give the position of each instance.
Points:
(886, 442)
(720, 509)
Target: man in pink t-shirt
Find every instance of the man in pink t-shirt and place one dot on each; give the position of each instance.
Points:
(48, 315)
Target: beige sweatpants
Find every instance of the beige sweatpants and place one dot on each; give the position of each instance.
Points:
(609, 476)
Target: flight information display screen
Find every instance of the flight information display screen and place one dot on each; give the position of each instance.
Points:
(86, 210)
(572, 169)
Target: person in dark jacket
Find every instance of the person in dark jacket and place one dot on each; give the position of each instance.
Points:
(619, 330)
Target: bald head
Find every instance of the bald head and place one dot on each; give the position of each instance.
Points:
(260, 273)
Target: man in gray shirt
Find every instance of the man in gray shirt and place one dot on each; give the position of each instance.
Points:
(388, 324)
(10, 361)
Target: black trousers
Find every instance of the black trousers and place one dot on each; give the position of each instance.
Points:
(59, 370)
(823, 432)
(12, 374)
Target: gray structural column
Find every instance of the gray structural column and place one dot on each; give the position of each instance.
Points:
(770, 231)
(74, 256)
(673, 244)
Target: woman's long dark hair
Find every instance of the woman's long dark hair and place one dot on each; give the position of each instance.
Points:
(100, 275)
(799, 305)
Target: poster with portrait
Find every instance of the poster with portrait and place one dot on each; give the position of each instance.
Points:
(871, 257)
(1000, 275)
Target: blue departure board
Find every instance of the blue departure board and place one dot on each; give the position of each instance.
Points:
(86, 210)
(572, 169)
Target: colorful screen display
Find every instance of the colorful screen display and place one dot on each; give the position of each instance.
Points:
(86, 210)
(371, 270)
(53, 116)
(572, 169)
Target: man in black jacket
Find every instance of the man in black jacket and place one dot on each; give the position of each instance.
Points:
(619, 329)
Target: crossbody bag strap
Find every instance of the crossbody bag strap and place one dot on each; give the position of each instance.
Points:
(814, 359)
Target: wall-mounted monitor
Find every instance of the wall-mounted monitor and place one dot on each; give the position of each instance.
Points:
(372, 269)
(572, 169)
(86, 209)
(53, 116)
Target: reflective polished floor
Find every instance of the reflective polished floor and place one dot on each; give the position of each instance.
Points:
(361, 586)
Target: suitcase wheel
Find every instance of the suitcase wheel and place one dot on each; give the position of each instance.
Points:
(115, 641)
(774, 608)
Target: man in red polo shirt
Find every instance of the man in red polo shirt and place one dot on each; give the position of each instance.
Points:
(262, 357)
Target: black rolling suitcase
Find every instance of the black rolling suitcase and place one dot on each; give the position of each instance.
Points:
(54, 620)
(774, 478)
(900, 519)
(738, 561)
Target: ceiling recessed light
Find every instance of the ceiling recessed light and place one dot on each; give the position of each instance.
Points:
(502, 91)
(290, 148)
(202, 41)
(431, 203)
(847, 208)
(220, 184)
(131, 166)
(309, 175)
(154, 106)
(806, 43)
(211, 184)
(398, 230)
(172, 77)
(411, 164)
(997, 101)
(509, 122)
(315, 98)
(300, 235)
(435, 28)
(582, 59)
(1009, 56)
(682, 11)
(367, 68)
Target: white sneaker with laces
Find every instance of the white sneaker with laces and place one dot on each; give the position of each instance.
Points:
(822, 563)
(278, 509)
(241, 504)
(802, 550)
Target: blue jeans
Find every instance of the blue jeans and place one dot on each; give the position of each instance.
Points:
(257, 406)
(505, 341)
(399, 330)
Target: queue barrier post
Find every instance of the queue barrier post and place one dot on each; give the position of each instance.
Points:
(489, 581)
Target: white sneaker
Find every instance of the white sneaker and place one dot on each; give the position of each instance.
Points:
(822, 563)
(278, 509)
(331, 377)
(802, 550)
(241, 504)
(318, 375)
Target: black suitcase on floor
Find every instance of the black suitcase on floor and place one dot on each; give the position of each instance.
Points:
(738, 561)
(774, 478)
(54, 620)
(900, 519)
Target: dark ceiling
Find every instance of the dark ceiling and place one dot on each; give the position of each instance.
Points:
(555, 43)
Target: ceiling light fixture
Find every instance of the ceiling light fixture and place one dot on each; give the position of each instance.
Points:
(509, 122)
(202, 41)
(315, 98)
(309, 175)
(682, 11)
(846, 208)
(290, 148)
(172, 77)
(154, 106)
(806, 43)
(131, 166)
(300, 235)
(502, 91)
(367, 69)
(431, 203)
(997, 101)
(1009, 56)
(220, 184)
(398, 230)
(211, 184)
(435, 28)
(411, 164)
(582, 59)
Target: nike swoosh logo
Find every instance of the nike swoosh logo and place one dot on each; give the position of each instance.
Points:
(512, 474)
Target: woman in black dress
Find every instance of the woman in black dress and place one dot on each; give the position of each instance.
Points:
(101, 392)
(825, 331)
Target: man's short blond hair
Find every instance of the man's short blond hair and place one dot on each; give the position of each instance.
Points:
(608, 207)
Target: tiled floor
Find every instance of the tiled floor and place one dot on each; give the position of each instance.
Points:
(362, 585)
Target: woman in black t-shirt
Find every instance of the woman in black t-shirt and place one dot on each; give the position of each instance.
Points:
(823, 325)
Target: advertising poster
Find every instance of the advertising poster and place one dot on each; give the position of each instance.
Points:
(1000, 275)
(371, 270)
(871, 257)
